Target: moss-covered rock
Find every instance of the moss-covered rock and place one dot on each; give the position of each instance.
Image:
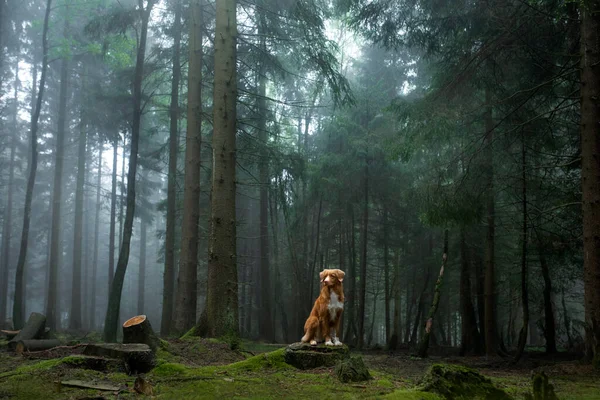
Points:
(352, 369)
(456, 382)
(305, 356)
(542, 389)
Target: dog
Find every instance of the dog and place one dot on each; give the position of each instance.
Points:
(324, 320)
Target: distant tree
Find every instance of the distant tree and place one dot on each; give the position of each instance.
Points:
(169, 274)
(187, 281)
(18, 309)
(114, 300)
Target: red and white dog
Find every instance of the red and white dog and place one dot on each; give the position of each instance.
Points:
(324, 320)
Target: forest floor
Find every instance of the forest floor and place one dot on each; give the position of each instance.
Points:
(195, 368)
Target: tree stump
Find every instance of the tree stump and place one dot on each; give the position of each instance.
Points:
(36, 345)
(454, 382)
(352, 369)
(33, 329)
(139, 330)
(138, 358)
(9, 334)
(305, 356)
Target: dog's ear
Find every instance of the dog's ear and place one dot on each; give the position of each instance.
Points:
(322, 276)
(340, 275)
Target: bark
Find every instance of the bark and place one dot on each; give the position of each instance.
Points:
(76, 300)
(187, 281)
(139, 330)
(33, 329)
(7, 227)
(363, 262)
(590, 171)
(113, 215)
(221, 313)
(23, 346)
(266, 326)
(92, 310)
(549, 322)
(470, 340)
(396, 336)
(142, 267)
(53, 304)
(350, 309)
(566, 321)
(114, 301)
(524, 276)
(386, 272)
(489, 284)
(122, 196)
(424, 345)
(169, 274)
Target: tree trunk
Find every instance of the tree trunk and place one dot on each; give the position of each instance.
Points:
(76, 304)
(266, 327)
(396, 337)
(550, 324)
(470, 340)
(114, 300)
(23, 346)
(590, 171)
(53, 304)
(363, 262)
(113, 215)
(490, 294)
(524, 276)
(7, 227)
(169, 275)
(122, 196)
(92, 310)
(139, 358)
(386, 273)
(142, 266)
(566, 321)
(33, 329)
(424, 345)
(221, 313)
(350, 309)
(187, 281)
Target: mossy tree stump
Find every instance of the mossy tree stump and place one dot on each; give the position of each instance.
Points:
(138, 358)
(457, 382)
(305, 356)
(542, 389)
(352, 369)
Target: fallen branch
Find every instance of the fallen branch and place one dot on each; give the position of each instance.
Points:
(28, 353)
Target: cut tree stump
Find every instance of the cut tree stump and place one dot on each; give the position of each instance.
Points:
(139, 330)
(9, 334)
(33, 329)
(96, 363)
(105, 386)
(139, 358)
(36, 345)
(305, 356)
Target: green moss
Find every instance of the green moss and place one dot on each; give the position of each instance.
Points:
(385, 383)
(411, 395)
(272, 360)
(457, 382)
(170, 369)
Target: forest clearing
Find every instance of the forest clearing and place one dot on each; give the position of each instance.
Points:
(300, 199)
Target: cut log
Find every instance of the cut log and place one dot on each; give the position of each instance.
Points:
(139, 330)
(34, 328)
(9, 334)
(36, 345)
(139, 358)
(95, 363)
(109, 386)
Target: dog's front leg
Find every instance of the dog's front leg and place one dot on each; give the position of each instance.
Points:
(335, 329)
(325, 332)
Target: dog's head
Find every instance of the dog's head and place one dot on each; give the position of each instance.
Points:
(332, 277)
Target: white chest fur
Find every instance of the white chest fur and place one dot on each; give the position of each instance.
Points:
(334, 304)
